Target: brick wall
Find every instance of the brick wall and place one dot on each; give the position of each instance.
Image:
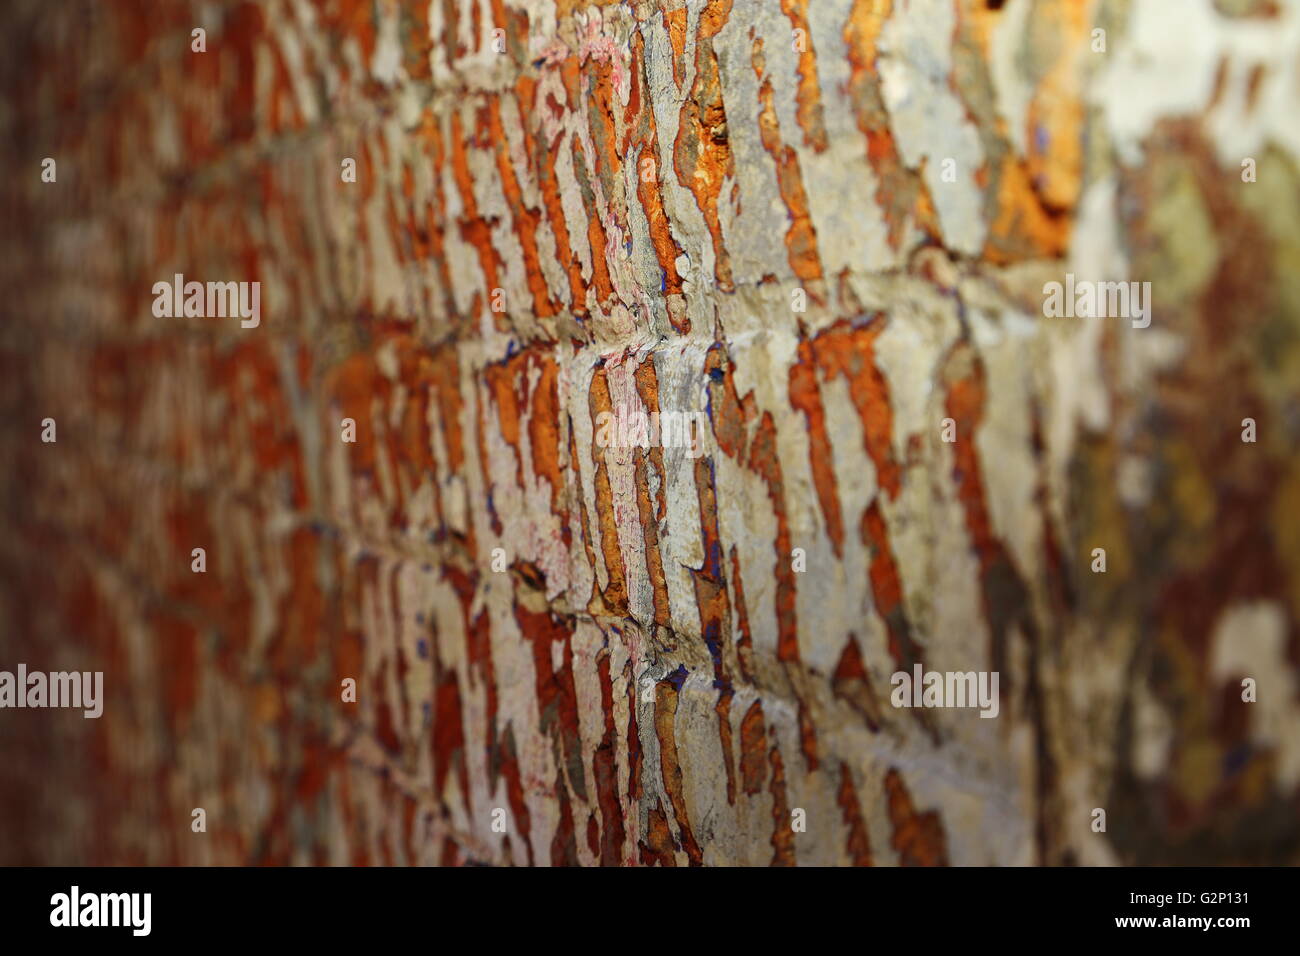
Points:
(825, 227)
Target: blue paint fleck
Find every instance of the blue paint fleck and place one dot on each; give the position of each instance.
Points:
(678, 677)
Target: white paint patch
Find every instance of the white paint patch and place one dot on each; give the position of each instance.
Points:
(1250, 641)
(386, 63)
(1012, 90)
(1165, 62)
(929, 123)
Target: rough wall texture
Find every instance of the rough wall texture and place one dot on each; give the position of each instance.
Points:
(734, 207)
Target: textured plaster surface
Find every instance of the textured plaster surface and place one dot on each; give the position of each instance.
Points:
(648, 189)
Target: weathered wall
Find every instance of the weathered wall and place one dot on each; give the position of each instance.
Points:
(646, 190)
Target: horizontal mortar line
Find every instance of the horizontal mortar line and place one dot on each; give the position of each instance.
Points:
(200, 619)
(349, 319)
(201, 614)
(446, 551)
(424, 269)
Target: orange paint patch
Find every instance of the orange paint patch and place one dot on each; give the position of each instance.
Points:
(808, 94)
(918, 837)
(702, 153)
